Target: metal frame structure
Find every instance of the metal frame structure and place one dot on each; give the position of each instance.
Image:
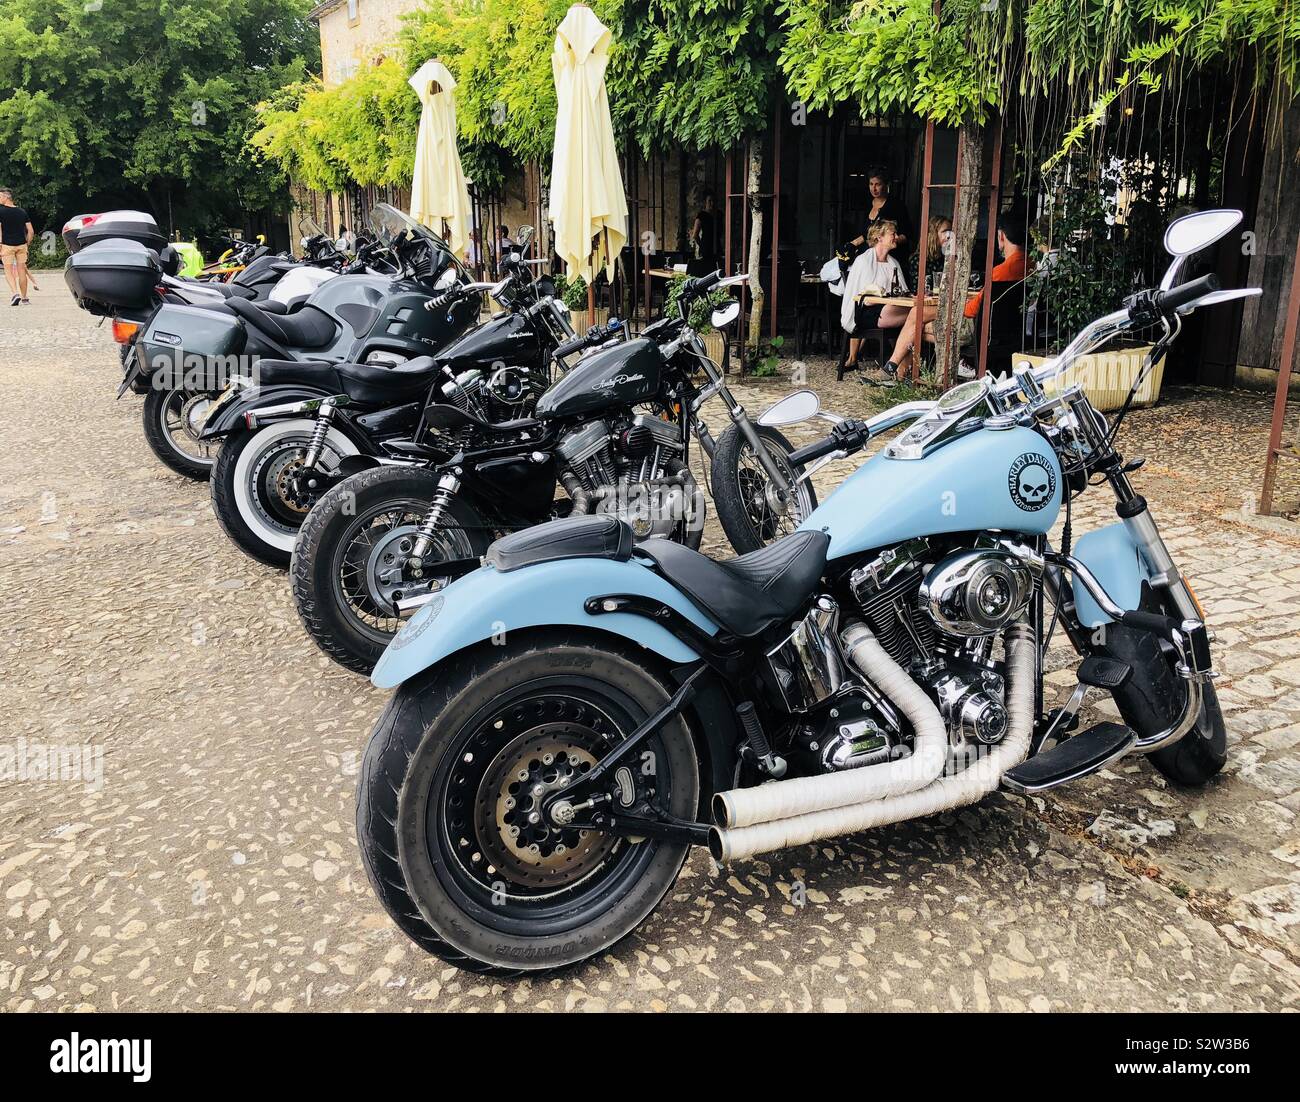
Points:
(1275, 449)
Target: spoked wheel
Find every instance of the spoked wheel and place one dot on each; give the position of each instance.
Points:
(454, 782)
(752, 509)
(173, 420)
(351, 565)
(258, 493)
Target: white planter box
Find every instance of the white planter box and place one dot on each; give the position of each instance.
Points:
(1106, 376)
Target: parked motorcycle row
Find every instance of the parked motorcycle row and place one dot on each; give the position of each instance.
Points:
(499, 520)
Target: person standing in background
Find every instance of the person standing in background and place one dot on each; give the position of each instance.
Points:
(703, 238)
(16, 235)
(884, 208)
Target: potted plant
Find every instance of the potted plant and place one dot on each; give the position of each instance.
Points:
(573, 293)
(1091, 250)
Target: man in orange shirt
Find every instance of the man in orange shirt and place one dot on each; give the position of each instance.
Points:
(1011, 244)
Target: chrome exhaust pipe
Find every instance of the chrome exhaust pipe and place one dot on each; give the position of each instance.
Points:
(945, 792)
(742, 807)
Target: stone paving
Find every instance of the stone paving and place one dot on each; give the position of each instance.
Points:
(203, 855)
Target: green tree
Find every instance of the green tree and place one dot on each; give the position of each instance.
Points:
(145, 103)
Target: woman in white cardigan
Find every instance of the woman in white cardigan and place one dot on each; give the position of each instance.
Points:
(875, 269)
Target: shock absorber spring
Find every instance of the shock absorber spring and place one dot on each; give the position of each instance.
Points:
(318, 433)
(448, 485)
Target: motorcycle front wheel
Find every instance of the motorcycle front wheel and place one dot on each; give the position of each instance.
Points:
(752, 511)
(348, 572)
(448, 800)
(1153, 698)
(172, 422)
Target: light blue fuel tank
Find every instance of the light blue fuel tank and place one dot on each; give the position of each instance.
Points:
(1009, 480)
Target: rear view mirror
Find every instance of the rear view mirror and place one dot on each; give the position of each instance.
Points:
(525, 236)
(725, 315)
(1193, 232)
(799, 406)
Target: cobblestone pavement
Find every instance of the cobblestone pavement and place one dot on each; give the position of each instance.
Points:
(213, 865)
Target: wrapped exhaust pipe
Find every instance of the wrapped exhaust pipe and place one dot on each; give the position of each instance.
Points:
(943, 793)
(742, 807)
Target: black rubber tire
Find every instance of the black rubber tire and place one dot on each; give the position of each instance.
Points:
(399, 763)
(727, 500)
(155, 402)
(310, 578)
(1152, 700)
(226, 506)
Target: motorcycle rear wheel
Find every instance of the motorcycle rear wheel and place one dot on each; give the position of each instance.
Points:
(171, 422)
(443, 820)
(253, 497)
(342, 545)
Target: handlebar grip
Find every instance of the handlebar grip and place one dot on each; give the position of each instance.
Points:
(704, 283)
(1169, 301)
(570, 347)
(815, 450)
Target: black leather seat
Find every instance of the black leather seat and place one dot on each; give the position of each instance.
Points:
(308, 328)
(365, 384)
(601, 536)
(750, 593)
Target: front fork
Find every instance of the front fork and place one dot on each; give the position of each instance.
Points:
(717, 385)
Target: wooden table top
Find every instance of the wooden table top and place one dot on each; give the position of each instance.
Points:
(896, 300)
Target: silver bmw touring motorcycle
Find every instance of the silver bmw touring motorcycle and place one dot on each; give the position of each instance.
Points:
(575, 714)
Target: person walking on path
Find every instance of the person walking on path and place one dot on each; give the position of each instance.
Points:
(15, 236)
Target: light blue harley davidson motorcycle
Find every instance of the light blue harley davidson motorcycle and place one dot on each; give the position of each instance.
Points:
(574, 715)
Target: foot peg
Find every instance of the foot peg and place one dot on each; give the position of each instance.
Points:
(1076, 757)
(1104, 673)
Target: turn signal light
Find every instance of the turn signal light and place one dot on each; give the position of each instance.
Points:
(124, 331)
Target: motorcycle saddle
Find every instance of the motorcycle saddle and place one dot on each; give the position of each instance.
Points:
(748, 594)
(365, 384)
(308, 328)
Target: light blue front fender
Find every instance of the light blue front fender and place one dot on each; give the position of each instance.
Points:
(1117, 564)
(488, 604)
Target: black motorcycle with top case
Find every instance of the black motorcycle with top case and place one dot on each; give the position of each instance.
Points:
(308, 426)
(364, 316)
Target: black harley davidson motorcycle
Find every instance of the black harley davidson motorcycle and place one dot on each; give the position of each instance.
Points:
(614, 433)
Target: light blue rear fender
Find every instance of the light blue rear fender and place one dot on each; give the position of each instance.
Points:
(490, 605)
(1117, 564)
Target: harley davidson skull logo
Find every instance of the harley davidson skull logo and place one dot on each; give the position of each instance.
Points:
(1031, 482)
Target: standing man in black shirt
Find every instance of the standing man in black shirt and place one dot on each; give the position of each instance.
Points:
(15, 235)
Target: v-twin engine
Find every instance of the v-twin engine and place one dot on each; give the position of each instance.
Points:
(633, 470)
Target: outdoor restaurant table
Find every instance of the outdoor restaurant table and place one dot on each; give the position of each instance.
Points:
(896, 300)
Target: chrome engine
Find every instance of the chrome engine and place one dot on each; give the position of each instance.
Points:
(939, 613)
(633, 470)
(508, 393)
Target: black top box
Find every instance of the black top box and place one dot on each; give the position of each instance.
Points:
(113, 273)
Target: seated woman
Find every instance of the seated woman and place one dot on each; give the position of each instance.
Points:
(877, 273)
(937, 237)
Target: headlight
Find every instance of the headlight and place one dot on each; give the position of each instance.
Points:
(447, 280)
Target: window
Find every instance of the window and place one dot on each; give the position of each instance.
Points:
(354, 16)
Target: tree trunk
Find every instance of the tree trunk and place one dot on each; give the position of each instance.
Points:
(957, 267)
(753, 187)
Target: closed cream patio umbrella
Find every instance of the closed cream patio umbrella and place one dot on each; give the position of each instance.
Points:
(439, 195)
(588, 206)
